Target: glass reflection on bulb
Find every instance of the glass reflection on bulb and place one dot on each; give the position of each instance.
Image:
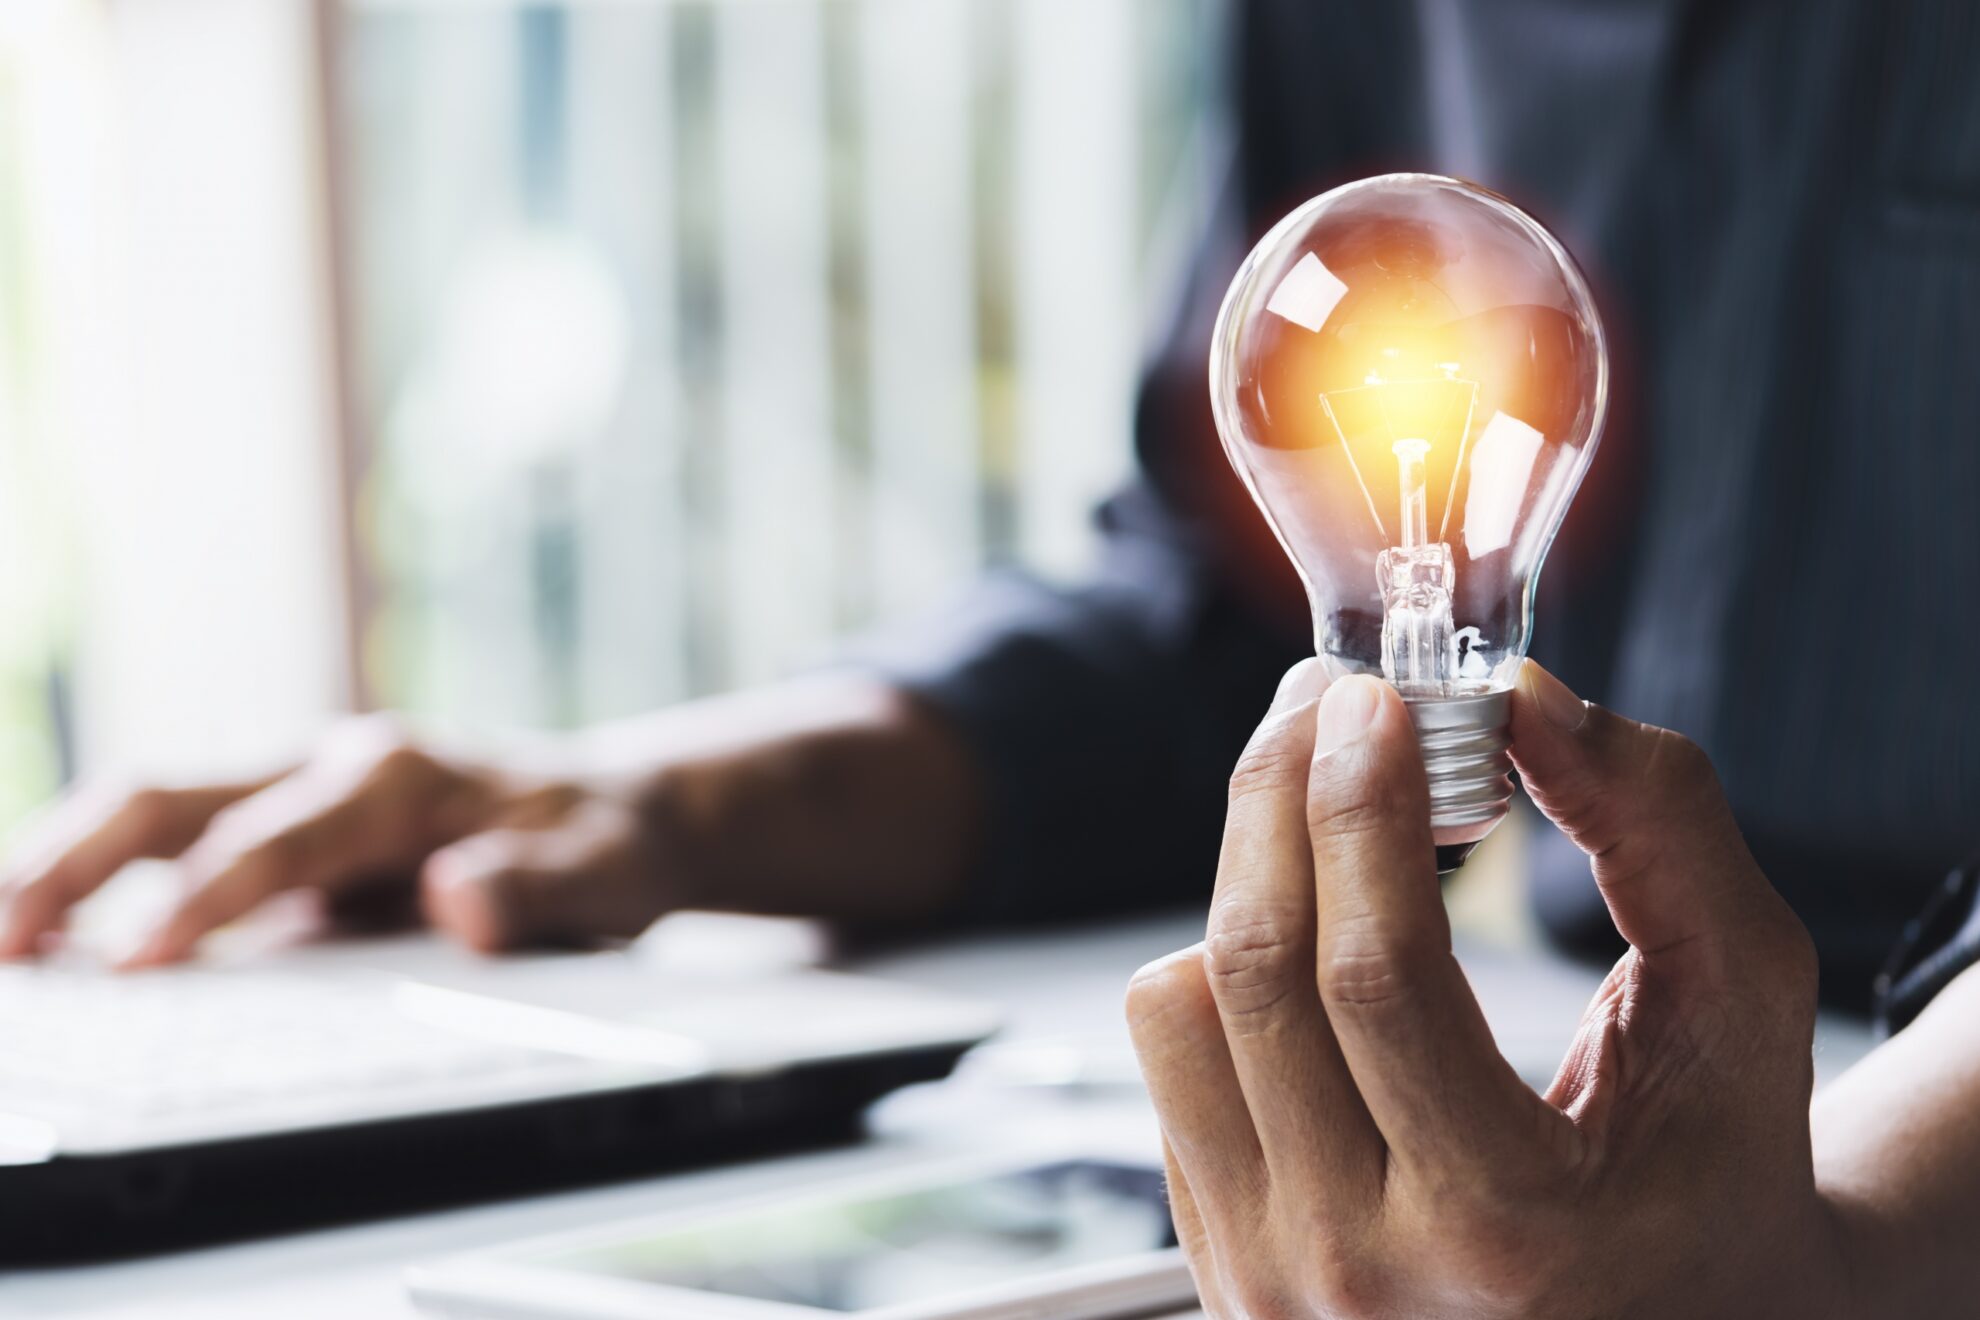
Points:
(1410, 377)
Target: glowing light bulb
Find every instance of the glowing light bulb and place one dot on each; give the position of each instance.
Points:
(1410, 377)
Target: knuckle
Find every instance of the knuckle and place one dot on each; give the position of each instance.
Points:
(1256, 954)
(1354, 814)
(1272, 762)
(264, 868)
(1261, 1295)
(1163, 988)
(1345, 1283)
(1369, 962)
(1678, 767)
(402, 761)
(1364, 978)
(146, 809)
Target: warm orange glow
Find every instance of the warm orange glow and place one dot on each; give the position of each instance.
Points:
(1398, 358)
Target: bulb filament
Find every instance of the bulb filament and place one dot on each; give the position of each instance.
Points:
(1419, 639)
(1415, 495)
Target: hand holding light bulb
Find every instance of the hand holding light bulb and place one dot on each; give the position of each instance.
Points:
(1345, 1139)
(1410, 377)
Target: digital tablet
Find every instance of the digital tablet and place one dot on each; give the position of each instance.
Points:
(1065, 1237)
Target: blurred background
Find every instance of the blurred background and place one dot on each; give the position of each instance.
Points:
(521, 365)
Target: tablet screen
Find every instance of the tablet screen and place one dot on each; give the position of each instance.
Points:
(903, 1246)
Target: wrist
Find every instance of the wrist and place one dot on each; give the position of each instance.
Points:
(836, 796)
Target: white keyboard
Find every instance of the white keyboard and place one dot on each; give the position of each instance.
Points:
(93, 1061)
(107, 1061)
(270, 1089)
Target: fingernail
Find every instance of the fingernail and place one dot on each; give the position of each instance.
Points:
(1346, 711)
(1558, 705)
(1302, 683)
(443, 870)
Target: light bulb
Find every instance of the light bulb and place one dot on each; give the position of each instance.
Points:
(1410, 377)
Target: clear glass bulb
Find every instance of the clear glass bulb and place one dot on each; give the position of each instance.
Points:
(1410, 377)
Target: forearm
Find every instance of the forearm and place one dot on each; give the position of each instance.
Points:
(1897, 1152)
(834, 795)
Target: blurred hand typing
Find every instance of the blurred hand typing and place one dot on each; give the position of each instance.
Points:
(835, 796)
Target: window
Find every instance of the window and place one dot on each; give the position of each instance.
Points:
(48, 86)
(527, 364)
(169, 599)
(692, 336)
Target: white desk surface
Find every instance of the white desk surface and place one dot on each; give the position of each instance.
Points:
(1062, 991)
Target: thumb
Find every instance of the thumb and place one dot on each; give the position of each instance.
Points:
(1646, 806)
(485, 889)
(579, 878)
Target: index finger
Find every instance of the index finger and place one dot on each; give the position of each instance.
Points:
(1259, 956)
(1411, 1030)
(370, 803)
(90, 838)
(308, 830)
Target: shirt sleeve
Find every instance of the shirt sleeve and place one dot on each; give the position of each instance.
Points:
(1104, 718)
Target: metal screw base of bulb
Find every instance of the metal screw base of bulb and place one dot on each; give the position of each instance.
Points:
(1464, 742)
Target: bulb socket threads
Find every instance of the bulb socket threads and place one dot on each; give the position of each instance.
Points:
(1464, 742)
